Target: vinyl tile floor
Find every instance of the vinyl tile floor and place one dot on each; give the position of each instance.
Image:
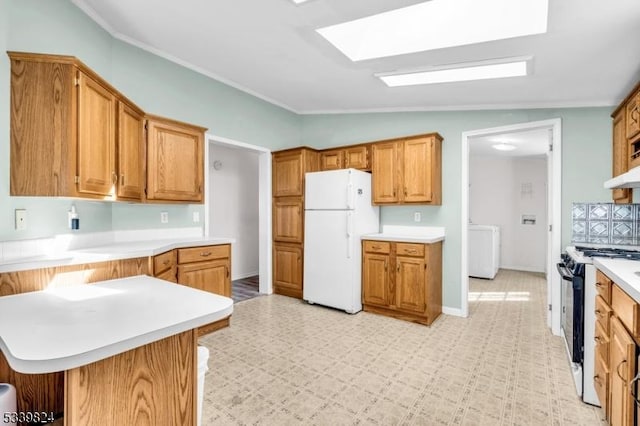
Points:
(284, 362)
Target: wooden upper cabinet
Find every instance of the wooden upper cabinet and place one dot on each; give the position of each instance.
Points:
(288, 169)
(96, 137)
(620, 156)
(332, 159)
(175, 152)
(633, 116)
(408, 171)
(354, 157)
(384, 171)
(131, 152)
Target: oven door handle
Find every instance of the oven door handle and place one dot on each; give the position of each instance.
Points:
(564, 272)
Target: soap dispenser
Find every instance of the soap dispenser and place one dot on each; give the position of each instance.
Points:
(74, 220)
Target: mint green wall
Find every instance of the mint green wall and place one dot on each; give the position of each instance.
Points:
(156, 85)
(586, 151)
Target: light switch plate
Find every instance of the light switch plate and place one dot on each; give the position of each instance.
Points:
(21, 219)
(196, 217)
(164, 217)
(417, 217)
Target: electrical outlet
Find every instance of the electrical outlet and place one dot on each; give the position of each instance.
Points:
(164, 217)
(21, 219)
(417, 217)
(196, 217)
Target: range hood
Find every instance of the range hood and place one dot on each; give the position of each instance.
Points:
(630, 179)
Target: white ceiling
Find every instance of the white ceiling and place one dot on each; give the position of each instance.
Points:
(528, 143)
(269, 48)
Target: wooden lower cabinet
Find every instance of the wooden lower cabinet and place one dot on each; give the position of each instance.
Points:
(402, 280)
(211, 276)
(287, 269)
(616, 351)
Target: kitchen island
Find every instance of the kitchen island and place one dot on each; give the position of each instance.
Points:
(127, 348)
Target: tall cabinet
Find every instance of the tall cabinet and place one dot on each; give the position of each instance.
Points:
(288, 169)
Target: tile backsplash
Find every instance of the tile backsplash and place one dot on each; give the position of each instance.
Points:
(605, 223)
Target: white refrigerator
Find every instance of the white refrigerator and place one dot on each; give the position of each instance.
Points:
(338, 211)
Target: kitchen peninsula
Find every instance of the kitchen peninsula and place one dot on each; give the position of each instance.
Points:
(127, 347)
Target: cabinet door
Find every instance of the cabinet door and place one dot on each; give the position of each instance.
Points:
(287, 174)
(168, 275)
(416, 176)
(175, 171)
(357, 157)
(287, 221)
(384, 172)
(287, 267)
(633, 116)
(410, 284)
(375, 279)
(332, 160)
(620, 156)
(96, 137)
(130, 152)
(623, 368)
(212, 276)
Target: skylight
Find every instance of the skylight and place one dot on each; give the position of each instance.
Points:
(461, 72)
(437, 24)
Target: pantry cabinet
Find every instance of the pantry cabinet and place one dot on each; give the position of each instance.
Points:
(175, 168)
(402, 280)
(288, 170)
(408, 170)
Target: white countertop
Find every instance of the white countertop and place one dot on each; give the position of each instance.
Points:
(412, 234)
(106, 252)
(64, 328)
(625, 273)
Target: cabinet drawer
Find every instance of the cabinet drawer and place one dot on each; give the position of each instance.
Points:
(163, 262)
(603, 286)
(377, 247)
(406, 249)
(602, 342)
(603, 313)
(601, 383)
(626, 309)
(198, 254)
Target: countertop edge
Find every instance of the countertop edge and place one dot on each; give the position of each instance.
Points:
(608, 266)
(403, 238)
(75, 361)
(89, 255)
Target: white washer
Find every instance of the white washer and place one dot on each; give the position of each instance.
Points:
(484, 251)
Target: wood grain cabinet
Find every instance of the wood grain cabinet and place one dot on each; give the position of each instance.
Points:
(616, 335)
(353, 157)
(288, 169)
(74, 152)
(620, 156)
(175, 168)
(206, 268)
(632, 110)
(165, 266)
(408, 170)
(402, 280)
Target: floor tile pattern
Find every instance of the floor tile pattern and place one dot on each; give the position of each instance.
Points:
(283, 362)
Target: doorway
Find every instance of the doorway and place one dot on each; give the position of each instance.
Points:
(523, 224)
(238, 205)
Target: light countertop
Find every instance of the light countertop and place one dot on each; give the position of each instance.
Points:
(64, 328)
(412, 234)
(106, 252)
(625, 273)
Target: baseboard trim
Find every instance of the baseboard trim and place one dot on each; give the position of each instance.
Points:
(244, 275)
(523, 268)
(456, 312)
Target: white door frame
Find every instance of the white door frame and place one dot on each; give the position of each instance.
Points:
(554, 201)
(264, 203)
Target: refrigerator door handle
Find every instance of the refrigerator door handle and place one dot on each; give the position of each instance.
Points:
(349, 196)
(349, 235)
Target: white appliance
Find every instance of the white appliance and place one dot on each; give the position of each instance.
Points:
(338, 211)
(484, 251)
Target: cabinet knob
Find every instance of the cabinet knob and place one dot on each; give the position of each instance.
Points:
(385, 264)
(598, 284)
(398, 269)
(121, 180)
(166, 262)
(227, 271)
(114, 178)
(205, 253)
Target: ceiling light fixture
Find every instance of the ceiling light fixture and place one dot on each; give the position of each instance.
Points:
(503, 146)
(437, 24)
(299, 1)
(499, 68)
